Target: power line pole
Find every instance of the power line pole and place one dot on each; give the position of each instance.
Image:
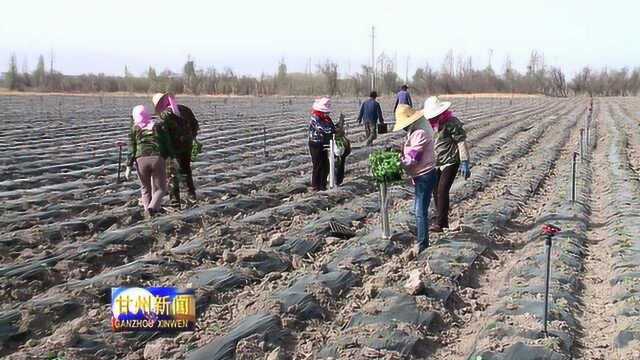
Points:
(490, 56)
(51, 66)
(395, 62)
(373, 61)
(406, 72)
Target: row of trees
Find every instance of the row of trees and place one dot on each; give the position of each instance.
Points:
(456, 75)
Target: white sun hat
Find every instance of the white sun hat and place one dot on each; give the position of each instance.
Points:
(322, 104)
(156, 99)
(434, 107)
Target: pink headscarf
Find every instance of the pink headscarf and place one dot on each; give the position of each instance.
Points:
(169, 101)
(438, 121)
(142, 118)
(322, 104)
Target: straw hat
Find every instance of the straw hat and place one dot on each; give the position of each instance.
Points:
(434, 107)
(156, 99)
(322, 104)
(405, 116)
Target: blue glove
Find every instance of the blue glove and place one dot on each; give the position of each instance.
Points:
(464, 169)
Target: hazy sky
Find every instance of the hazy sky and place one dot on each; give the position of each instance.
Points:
(252, 36)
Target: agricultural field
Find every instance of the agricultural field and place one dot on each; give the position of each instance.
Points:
(275, 279)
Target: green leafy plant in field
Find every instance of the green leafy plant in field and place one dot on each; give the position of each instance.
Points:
(196, 149)
(385, 166)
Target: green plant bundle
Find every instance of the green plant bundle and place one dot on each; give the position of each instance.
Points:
(385, 166)
(196, 149)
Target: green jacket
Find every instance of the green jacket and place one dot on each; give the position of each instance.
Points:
(154, 142)
(182, 129)
(446, 142)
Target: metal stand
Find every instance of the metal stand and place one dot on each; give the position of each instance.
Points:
(119, 160)
(547, 245)
(587, 138)
(384, 211)
(264, 141)
(549, 231)
(573, 178)
(332, 163)
(581, 144)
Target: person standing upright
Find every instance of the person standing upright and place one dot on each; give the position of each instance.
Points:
(183, 127)
(149, 146)
(371, 113)
(343, 146)
(451, 154)
(321, 131)
(417, 158)
(403, 97)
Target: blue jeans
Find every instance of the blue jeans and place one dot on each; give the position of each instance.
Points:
(424, 188)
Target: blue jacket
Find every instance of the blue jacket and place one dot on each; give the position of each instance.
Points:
(403, 97)
(370, 111)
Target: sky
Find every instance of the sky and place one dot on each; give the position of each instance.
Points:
(253, 36)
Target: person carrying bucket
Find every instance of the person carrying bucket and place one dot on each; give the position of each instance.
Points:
(182, 127)
(371, 114)
(418, 160)
(451, 154)
(149, 146)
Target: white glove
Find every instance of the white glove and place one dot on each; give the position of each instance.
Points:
(127, 173)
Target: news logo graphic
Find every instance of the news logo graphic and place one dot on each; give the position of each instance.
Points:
(153, 309)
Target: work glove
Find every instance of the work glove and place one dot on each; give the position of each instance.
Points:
(127, 173)
(464, 169)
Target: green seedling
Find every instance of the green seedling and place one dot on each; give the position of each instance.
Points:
(385, 166)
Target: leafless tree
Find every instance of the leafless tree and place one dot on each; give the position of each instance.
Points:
(330, 70)
(558, 83)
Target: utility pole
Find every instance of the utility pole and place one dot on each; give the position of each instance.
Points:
(51, 66)
(490, 56)
(406, 71)
(373, 60)
(395, 62)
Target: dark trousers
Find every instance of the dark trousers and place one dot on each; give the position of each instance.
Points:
(340, 169)
(182, 173)
(444, 180)
(424, 186)
(371, 131)
(340, 165)
(320, 161)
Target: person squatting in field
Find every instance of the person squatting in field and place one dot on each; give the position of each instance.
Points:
(451, 154)
(321, 131)
(403, 97)
(418, 160)
(183, 127)
(149, 146)
(371, 113)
